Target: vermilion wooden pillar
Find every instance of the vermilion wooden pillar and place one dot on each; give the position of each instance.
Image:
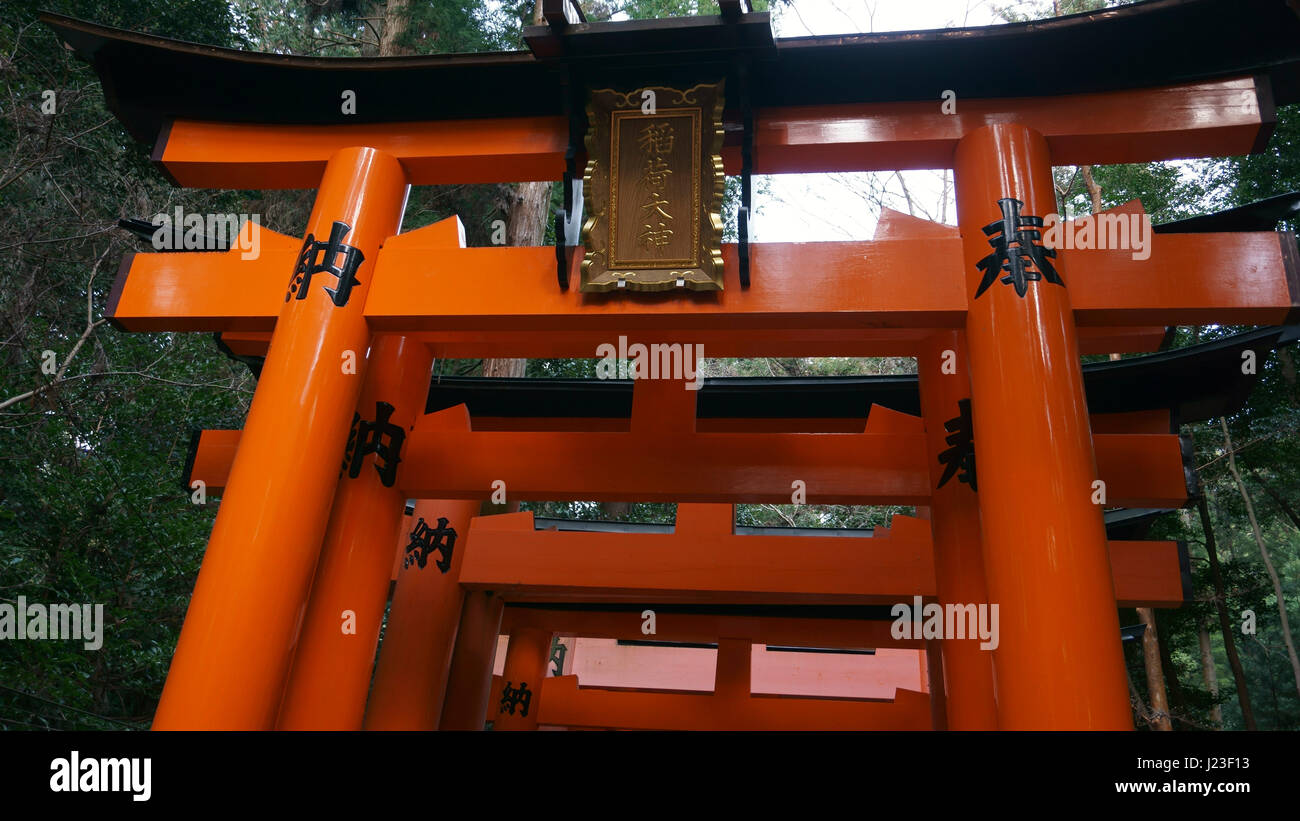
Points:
(336, 649)
(235, 649)
(967, 681)
(934, 682)
(1058, 664)
(527, 656)
(411, 674)
(469, 683)
(733, 674)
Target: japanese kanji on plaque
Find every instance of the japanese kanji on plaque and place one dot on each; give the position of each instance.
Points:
(653, 187)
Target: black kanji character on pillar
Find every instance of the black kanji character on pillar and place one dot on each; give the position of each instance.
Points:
(558, 652)
(512, 696)
(961, 453)
(380, 437)
(323, 258)
(425, 540)
(1017, 250)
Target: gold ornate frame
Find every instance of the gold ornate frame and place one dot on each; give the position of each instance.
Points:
(702, 271)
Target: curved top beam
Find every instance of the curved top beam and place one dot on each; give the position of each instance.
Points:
(151, 80)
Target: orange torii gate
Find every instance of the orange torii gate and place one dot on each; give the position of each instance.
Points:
(347, 364)
(505, 554)
(1146, 573)
(706, 561)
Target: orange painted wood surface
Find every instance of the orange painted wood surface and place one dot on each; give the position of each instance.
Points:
(1140, 470)
(1058, 665)
(670, 625)
(237, 643)
(703, 562)
(846, 298)
(1143, 125)
(566, 704)
(875, 467)
(246, 155)
(867, 342)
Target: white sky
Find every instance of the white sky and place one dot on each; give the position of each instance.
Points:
(816, 207)
(852, 16)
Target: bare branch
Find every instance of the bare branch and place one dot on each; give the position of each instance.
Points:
(91, 325)
(59, 239)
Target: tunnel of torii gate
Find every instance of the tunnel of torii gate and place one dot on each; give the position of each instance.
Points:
(1015, 453)
(709, 580)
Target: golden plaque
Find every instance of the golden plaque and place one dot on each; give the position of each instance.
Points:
(652, 190)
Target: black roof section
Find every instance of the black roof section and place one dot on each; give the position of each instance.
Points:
(1196, 382)
(1132, 523)
(1260, 215)
(151, 80)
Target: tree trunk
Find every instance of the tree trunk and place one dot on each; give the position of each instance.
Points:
(1288, 367)
(1263, 551)
(525, 226)
(512, 368)
(1225, 622)
(1155, 675)
(1135, 700)
(1210, 674)
(615, 510)
(396, 16)
(1094, 190)
(1177, 697)
(1266, 661)
(1281, 502)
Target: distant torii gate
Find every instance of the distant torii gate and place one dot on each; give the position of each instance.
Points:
(293, 536)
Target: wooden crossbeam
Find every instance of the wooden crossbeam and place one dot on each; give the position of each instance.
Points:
(883, 465)
(247, 155)
(212, 455)
(1198, 120)
(704, 562)
(1194, 120)
(840, 285)
(673, 625)
(246, 343)
(1140, 470)
(1148, 421)
(864, 342)
(849, 297)
(205, 291)
(701, 562)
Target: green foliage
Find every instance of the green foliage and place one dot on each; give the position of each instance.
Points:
(91, 510)
(1275, 170)
(1027, 10)
(1168, 191)
(651, 512)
